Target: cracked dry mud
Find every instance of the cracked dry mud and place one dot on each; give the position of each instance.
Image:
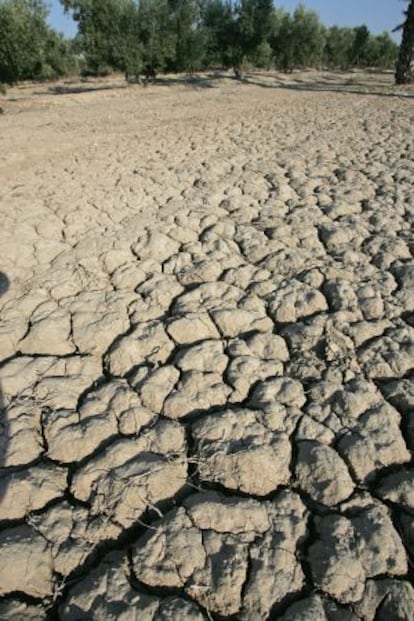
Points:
(207, 353)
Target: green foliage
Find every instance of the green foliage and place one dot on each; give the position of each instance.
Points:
(220, 32)
(189, 35)
(263, 56)
(150, 36)
(145, 37)
(308, 37)
(338, 43)
(155, 35)
(106, 31)
(29, 48)
(356, 47)
(298, 40)
(235, 32)
(384, 51)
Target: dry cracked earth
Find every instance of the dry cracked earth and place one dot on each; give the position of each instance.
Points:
(207, 348)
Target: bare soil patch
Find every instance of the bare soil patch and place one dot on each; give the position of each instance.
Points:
(206, 349)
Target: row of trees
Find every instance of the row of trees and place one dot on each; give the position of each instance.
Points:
(146, 37)
(151, 36)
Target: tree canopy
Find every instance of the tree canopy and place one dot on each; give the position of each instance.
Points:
(29, 48)
(146, 37)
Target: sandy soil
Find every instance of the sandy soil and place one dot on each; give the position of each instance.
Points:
(207, 345)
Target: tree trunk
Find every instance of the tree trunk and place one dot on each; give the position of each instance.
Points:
(403, 73)
(237, 72)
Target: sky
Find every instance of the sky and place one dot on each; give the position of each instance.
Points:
(378, 15)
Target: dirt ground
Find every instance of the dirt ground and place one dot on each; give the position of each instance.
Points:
(206, 349)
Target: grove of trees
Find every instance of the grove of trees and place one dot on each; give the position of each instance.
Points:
(147, 37)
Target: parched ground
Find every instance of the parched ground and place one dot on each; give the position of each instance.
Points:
(207, 351)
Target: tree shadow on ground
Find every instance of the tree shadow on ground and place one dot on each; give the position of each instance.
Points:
(196, 81)
(322, 86)
(83, 88)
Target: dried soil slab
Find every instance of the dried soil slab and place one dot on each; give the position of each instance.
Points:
(385, 250)
(348, 550)
(367, 427)
(51, 382)
(115, 408)
(189, 271)
(322, 473)
(390, 356)
(21, 440)
(155, 387)
(398, 488)
(13, 328)
(217, 296)
(15, 610)
(295, 300)
(338, 237)
(169, 556)
(364, 301)
(233, 322)
(147, 343)
(196, 391)
(375, 442)
(159, 291)
(279, 401)
(191, 328)
(386, 599)
(26, 563)
(128, 276)
(317, 608)
(245, 276)
(400, 394)
(237, 450)
(154, 244)
(320, 347)
(224, 514)
(29, 490)
(106, 593)
(49, 335)
(194, 549)
(274, 567)
(71, 534)
(98, 317)
(206, 357)
(132, 474)
(244, 371)
(291, 262)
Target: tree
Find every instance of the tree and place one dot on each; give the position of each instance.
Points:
(299, 41)
(155, 35)
(188, 33)
(253, 28)
(29, 48)
(219, 23)
(403, 73)
(384, 51)
(338, 43)
(359, 48)
(107, 33)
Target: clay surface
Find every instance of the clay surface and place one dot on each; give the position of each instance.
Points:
(207, 350)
